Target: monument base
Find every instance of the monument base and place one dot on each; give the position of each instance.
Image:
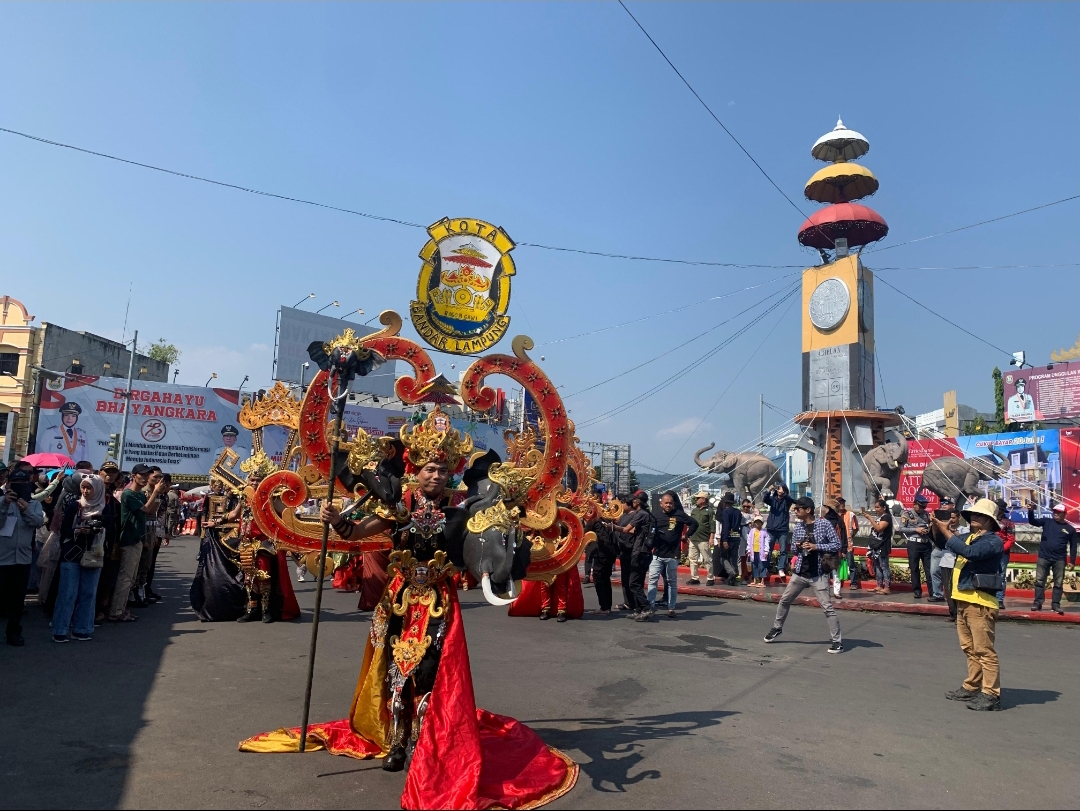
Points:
(837, 441)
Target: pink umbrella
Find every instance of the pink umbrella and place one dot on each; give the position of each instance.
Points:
(49, 460)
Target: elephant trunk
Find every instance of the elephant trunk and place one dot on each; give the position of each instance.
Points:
(697, 456)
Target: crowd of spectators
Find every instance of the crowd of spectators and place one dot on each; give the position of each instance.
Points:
(84, 542)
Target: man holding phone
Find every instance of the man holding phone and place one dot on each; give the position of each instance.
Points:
(20, 517)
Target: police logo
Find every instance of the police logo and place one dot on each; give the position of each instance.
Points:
(464, 287)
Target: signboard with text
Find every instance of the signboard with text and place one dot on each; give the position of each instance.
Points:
(1042, 393)
(182, 429)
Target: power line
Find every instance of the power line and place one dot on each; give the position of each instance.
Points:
(666, 312)
(582, 251)
(977, 224)
(731, 382)
(943, 318)
(688, 368)
(674, 348)
(708, 109)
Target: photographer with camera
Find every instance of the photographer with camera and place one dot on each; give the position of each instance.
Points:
(82, 554)
(818, 544)
(20, 517)
(976, 579)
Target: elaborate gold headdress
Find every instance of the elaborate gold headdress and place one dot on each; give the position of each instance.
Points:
(435, 440)
(258, 465)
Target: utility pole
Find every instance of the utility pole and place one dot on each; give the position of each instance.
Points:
(761, 423)
(127, 403)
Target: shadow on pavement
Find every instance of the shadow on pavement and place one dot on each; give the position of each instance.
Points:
(614, 747)
(79, 706)
(1018, 697)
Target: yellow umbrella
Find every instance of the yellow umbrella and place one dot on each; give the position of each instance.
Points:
(839, 182)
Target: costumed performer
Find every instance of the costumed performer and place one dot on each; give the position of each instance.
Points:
(414, 703)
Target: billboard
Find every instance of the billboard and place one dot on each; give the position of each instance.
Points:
(296, 331)
(1012, 467)
(1042, 393)
(182, 429)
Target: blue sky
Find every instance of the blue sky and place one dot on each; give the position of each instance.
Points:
(562, 124)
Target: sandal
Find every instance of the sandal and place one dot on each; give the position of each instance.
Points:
(623, 607)
(127, 616)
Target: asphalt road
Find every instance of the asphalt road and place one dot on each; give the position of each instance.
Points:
(692, 712)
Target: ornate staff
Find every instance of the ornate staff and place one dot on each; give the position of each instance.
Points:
(343, 359)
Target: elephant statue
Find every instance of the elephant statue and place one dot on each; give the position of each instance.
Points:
(959, 479)
(884, 463)
(750, 473)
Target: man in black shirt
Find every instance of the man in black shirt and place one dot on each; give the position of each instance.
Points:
(666, 544)
(1057, 542)
(728, 538)
(638, 528)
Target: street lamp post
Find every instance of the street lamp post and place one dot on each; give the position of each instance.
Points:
(331, 304)
(241, 388)
(174, 374)
(303, 373)
(305, 298)
(207, 383)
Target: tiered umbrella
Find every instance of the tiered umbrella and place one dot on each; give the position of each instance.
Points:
(838, 184)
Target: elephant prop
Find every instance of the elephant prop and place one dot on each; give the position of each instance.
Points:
(750, 473)
(497, 556)
(884, 463)
(958, 479)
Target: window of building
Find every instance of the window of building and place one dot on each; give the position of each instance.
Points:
(9, 363)
(4, 423)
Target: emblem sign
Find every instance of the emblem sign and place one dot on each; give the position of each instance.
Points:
(829, 304)
(464, 287)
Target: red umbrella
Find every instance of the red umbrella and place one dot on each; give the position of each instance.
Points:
(49, 460)
(859, 224)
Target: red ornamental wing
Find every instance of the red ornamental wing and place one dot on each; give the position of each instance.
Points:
(558, 548)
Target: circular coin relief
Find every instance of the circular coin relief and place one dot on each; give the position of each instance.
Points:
(829, 304)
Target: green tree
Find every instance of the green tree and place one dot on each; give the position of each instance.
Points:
(632, 483)
(999, 401)
(164, 352)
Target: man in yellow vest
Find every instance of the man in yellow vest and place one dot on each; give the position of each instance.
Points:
(976, 579)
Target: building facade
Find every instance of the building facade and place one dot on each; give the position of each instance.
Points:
(24, 346)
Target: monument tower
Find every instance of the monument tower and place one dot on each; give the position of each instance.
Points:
(838, 397)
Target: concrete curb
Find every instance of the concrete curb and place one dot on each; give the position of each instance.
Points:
(928, 609)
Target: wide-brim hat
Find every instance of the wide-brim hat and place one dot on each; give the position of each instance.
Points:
(702, 494)
(983, 506)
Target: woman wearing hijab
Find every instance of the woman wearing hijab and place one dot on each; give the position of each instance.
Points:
(49, 558)
(82, 542)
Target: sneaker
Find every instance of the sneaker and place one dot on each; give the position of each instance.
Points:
(918, 595)
(773, 633)
(671, 613)
(59, 638)
(693, 581)
(985, 703)
(961, 695)
(1057, 610)
(1001, 604)
(82, 637)
(1036, 607)
(633, 615)
(644, 616)
(935, 599)
(836, 589)
(710, 582)
(836, 647)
